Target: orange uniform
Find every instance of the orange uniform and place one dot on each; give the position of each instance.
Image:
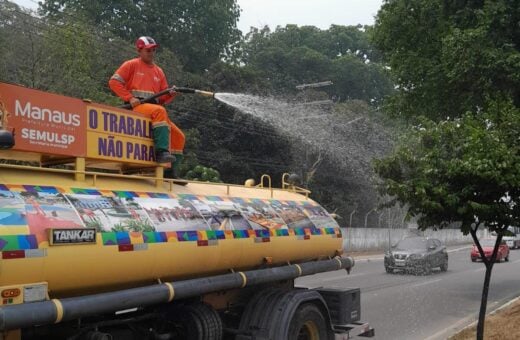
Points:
(137, 79)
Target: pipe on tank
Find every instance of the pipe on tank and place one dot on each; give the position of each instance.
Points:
(55, 311)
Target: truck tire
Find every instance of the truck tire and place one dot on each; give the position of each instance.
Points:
(200, 322)
(309, 323)
(271, 313)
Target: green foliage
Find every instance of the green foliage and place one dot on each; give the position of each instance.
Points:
(448, 57)
(295, 55)
(463, 170)
(199, 32)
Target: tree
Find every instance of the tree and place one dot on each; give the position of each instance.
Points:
(199, 32)
(456, 66)
(293, 55)
(450, 54)
(464, 170)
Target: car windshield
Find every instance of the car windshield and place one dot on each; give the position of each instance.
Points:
(412, 243)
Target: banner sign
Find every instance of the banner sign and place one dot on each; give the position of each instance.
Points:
(118, 135)
(58, 125)
(44, 122)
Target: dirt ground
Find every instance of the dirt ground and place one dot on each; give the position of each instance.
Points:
(504, 324)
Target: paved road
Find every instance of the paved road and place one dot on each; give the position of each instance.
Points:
(402, 306)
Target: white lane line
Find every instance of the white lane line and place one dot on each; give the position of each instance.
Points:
(478, 270)
(459, 249)
(357, 274)
(469, 322)
(452, 329)
(345, 277)
(425, 283)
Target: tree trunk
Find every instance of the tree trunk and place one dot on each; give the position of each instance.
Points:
(483, 302)
(485, 289)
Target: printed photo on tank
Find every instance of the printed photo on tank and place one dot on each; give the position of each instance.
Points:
(12, 209)
(111, 213)
(221, 215)
(169, 214)
(291, 214)
(259, 214)
(319, 217)
(49, 210)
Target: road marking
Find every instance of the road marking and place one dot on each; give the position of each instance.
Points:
(357, 274)
(458, 249)
(478, 270)
(343, 277)
(425, 283)
(450, 329)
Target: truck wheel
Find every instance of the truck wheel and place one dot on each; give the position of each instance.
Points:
(199, 322)
(308, 323)
(276, 313)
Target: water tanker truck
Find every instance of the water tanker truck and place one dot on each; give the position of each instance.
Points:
(96, 244)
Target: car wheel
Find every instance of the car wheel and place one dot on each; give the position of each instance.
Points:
(444, 266)
(473, 260)
(389, 270)
(427, 268)
(506, 258)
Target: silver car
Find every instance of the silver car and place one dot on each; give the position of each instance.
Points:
(418, 255)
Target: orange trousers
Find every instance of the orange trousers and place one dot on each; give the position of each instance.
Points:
(159, 117)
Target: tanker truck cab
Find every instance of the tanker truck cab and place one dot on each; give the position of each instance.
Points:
(96, 244)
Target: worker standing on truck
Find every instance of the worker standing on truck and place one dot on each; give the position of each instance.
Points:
(139, 78)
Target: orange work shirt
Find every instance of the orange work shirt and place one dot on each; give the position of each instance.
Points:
(136, 78)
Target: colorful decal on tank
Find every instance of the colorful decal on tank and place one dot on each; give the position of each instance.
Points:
(35, 210)
(319, 216)
(107, 213)
(291, 214)
(219, 214)
(259, 214)
(172, 214)
(132, 218)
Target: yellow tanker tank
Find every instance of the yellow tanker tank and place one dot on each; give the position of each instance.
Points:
(80, 231)
(127, 232)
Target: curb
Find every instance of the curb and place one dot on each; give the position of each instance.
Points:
(474, 319)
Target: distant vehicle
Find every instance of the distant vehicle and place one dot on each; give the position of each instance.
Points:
(487, 246)
(417, 255)
(513, 241)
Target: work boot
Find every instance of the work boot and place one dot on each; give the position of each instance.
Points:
(164, 157)
(161, 140)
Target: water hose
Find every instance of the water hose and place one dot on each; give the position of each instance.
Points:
(151, 99)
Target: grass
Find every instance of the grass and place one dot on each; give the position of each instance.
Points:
(504, 324)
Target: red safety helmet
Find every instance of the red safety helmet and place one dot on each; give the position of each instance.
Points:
(145, 42)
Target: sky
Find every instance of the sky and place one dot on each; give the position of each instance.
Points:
(319, 13)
